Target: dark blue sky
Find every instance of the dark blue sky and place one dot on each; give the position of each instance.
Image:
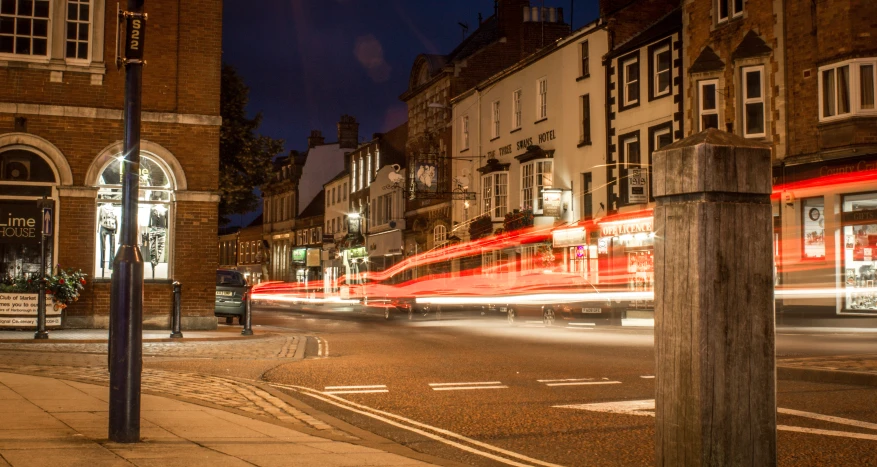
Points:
(309, 61)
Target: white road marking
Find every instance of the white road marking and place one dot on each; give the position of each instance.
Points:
(563, 380)
(582, 383)
(464, 388)
(533, 322)
(322, 347)
(829, 418)
(357, 391)
(386, 418)
(647, 408)
(648, 377)
(372, 386)
(462, 384)
(582, 324)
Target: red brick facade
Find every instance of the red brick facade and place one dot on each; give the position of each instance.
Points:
(71, 115)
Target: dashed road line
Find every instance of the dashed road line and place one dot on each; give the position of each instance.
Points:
(829, 418)
(648, 377)
(322, 347)
(361, 389)
(467, 386)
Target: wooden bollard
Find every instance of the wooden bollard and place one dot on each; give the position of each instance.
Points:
(715, 375)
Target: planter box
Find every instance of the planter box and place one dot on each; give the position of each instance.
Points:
(19, 310)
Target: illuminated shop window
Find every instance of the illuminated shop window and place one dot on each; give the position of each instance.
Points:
(860, 252)
(154, 217)
(813, 214)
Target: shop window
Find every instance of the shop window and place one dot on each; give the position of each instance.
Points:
(860, 252)
(494, 194)
(154, 217)
(661, 74)
(629, 79)
(847, 89)
(535, 176)
(813, 212)
(753, 102)
(516, 109)
(707, 101)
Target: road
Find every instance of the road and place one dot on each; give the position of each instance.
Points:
(481, 392)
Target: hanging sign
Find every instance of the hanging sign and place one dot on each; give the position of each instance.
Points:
(637, 181)
(569, 237)
(551, 202)
(135, 30)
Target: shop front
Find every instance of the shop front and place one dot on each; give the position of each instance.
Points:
(626, 252)
(859, 223)
(578, 256)
(384, 249)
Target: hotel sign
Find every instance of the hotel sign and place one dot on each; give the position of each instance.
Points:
(551, 202)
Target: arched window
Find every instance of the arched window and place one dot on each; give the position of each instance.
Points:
(154, 217)
(440, 235)
(25, 177)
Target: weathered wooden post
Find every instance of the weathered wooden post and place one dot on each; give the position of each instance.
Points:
(714, 311)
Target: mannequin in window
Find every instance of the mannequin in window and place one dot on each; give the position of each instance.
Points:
(157, 235)
(107, 221)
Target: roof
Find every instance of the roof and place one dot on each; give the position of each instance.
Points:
(256, 221)
(317, 206)
(663, 27)
(342, 174)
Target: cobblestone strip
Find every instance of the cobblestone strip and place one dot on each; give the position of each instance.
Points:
(269, 347)
(215, 390)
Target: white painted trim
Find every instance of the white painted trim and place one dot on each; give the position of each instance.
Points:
(77, 192)
(744, 85)
(162, 155)
(42, 147)
(197, 196)
(107, 114)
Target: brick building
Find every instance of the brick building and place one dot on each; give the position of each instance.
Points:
(514, 31)
(61, 131)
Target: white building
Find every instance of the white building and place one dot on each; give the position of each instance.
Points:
(536, 125)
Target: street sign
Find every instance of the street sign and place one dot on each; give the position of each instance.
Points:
(47, 221)
(637, 183)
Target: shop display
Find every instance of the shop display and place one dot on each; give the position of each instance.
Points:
(814, 228)
(641, 266)
(861, 266)
(107, 222)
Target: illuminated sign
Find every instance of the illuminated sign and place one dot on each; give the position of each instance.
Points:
(313, 257)
(299, 254)
(569, 237)
(551, 202)
(358, 252)
(634, 226)
(20, 222)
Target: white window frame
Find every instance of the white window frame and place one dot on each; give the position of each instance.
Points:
(494, 119)
(51, 30)
(656, 92)
(465, 132)
(628, 82)
(516, 109)
(495, 195)
(89, 23)
(753, 100)
(533, 177)
(855, 88)
(700, 110)
(542, 97)
(439, 235)
(732, 9)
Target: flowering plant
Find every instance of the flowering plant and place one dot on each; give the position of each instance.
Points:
(65, 286)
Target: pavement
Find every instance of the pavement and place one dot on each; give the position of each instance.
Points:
(54, 398)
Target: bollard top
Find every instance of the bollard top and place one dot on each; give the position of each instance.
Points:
(712, 161)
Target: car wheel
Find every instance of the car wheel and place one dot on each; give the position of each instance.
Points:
(548, 317)
(229, 320)
(511, 315)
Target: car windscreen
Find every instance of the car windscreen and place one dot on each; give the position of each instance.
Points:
(230, 278)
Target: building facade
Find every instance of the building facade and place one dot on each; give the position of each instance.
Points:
(61, 131)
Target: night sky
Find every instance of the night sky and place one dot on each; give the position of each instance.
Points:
(307, 62)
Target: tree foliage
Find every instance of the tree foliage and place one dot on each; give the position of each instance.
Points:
(244, 155)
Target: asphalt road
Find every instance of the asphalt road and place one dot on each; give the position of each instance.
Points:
(481, 392)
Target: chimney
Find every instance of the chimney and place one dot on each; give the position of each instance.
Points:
(316, 139)
(348, 132)
(510, 17)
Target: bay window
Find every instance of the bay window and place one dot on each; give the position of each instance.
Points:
(753, 102)
(847, 89)
(535, 176)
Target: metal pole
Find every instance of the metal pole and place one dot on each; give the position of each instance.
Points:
(248, 313)
(126, 293)
(41, 300)
(175, 331)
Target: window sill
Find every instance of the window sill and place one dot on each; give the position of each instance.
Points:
(540, 121)
(583, 77)
(583, 143)
(494, 139)
(515, 130)
(55, 65)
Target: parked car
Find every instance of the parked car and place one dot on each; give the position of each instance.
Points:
(552, 306)
(231, 295)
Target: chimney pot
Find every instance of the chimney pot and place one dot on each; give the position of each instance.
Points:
(348, 132)
(316, 139)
